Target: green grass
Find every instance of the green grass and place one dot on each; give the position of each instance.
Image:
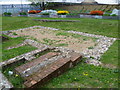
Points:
(86, 76)
(62, 33)
(111, 56)
(17, 81)
(61, 44)
(96, 76)
(7, 54)
(12, 42)
(93, 26)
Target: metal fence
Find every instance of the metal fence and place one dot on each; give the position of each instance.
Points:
(16, 8)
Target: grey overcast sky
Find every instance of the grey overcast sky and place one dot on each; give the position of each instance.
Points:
(26, 2)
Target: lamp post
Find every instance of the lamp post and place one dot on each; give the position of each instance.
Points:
(13, 8)
(21, 6)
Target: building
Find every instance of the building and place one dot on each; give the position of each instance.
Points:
(16, 8)
(66, 1)
(89, 2)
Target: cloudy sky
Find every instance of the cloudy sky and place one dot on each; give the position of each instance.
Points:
(26, 2)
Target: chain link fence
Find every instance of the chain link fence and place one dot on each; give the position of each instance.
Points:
(17, 8)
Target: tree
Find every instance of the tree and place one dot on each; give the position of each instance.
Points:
(36, 4)
(40, 2)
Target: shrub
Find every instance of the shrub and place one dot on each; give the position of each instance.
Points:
(58, 9)
(38, 11)
(108, 11)
(106, 15)
(48, 12)
(32, 12)
(97, 12)
(23, 13)
(62, 12)
(113, 15)
(45, 13)
(72, 14)
(7, 13)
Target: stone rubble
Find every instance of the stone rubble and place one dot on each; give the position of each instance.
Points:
(4, 83)
(19, 45)
(92, 55)
(103, 43)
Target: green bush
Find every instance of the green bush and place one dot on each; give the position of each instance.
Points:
(72, 14)
(7, 13)
(109, 11)
(45, 13)
(23, 13)
(106, 14)
(113, 15)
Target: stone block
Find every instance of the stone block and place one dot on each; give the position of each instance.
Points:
(49, 72)
(32, 66)
(75, 58)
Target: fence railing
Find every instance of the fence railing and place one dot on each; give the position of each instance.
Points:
(13, 8)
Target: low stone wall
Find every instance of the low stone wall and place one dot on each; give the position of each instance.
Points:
(100, 17)
(45, 20)
(103, 42)
(57, 68)
(79, 16)
(51, 64)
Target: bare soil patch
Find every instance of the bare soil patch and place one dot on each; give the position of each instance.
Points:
(59, 38)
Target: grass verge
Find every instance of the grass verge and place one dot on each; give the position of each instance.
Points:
(86, 76)
(7, 54)
(93, 26)
(111, 56)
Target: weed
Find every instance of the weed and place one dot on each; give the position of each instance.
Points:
(84, 39)
(61, 44)
(90, 47)
(92, 57)
(49, 41)
(42, 53)
(15, 79)
(62, 33)
(15, 33)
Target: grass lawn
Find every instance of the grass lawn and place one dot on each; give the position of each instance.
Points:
(86, 76)
(15, 79)
(111, 56)
(93, 26)
(7, 54)
(83, 75)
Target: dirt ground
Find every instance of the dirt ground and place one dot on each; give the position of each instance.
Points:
(50, 37)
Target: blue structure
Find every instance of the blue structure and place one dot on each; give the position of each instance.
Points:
(16, 8)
